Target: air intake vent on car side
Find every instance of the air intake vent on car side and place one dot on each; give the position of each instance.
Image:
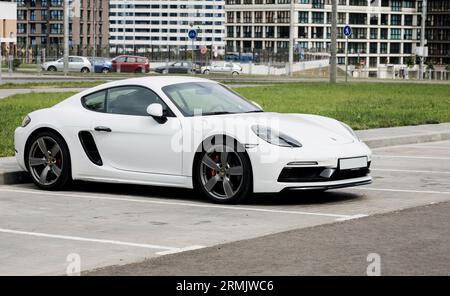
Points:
(88, 143)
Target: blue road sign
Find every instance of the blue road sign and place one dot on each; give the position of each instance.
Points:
(347, 31)
(192, 34)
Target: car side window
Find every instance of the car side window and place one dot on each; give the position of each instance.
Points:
(120, 60)
(95, 101)
(132, 100)
(77, 60)
(131, 60)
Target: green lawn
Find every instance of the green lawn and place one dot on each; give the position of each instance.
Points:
(14, 108)
(56, 84)
(361, 105)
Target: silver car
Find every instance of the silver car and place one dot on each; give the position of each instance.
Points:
(222, 68)
(76, 64)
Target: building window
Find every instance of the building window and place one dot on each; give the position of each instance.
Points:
(396, 20)
(303, 17)
(396, 34)
(317, 17)
(408, 34)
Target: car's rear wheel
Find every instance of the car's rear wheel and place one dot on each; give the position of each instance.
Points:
(223, 174)
(51, 69)
(206, 72)
(48, 161)
(235, 73)
(85, 70)
(138, 70)
(165, 71)
(105, 70)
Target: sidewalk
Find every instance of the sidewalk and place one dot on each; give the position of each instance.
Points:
(381, 137)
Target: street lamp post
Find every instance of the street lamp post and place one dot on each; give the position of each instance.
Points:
(422, 39)
(66, 36)
(333, 41)
(291, 38)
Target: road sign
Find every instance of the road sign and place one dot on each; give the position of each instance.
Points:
(192, 34)
(347, 31)
(203, 50)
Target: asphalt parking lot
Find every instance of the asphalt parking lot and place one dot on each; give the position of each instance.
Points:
(119, 224)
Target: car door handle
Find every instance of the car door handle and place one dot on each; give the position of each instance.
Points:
(102, 129)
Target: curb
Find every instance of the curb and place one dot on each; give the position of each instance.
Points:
(404, 140)
(22, 177)
(11, 178)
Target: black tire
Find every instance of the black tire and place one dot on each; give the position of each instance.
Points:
(63, 156)
(240, 192)
(138, 70)
(85, 70)
(105, 70)
(51, 69)
(235, 73)
(206, 72)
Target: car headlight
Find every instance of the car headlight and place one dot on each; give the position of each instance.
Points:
(275, 137)
(350, 130)
(26, 120)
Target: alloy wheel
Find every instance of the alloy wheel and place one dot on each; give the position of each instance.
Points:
(45, 160)
(221, 173)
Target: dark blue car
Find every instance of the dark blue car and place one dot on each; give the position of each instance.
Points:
(101, 65)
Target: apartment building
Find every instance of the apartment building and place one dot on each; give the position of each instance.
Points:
(384, 31)
(40, 24)
(137, 25)
(438, 31)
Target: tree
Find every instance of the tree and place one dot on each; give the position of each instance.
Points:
(410, 61)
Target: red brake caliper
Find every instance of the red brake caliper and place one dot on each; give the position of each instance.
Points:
(216, 159)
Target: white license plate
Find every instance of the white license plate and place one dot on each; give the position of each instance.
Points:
(353, 163)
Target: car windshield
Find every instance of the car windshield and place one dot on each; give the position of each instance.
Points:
(207, 98)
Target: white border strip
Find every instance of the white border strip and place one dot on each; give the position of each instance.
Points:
(102, 241)
(412, 157)
(233, 208)
(400, 190)
(410, 171)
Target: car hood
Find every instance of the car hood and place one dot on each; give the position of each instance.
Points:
(306, 128)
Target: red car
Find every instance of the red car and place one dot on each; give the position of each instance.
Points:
(128, 63)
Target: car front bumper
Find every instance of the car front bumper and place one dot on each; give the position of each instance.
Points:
(269, 161)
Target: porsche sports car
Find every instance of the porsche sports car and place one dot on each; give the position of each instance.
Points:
(186, 132)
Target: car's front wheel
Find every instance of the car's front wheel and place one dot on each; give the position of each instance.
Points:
(206, 72)
(48, 161)
(223, 174)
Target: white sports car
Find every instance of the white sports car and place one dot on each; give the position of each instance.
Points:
(186, 132)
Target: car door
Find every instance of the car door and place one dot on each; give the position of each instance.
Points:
(59, 64)
(176, 68)
(131, 64)
(128, 139)
(228, 67)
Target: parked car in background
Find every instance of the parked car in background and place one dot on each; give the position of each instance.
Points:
(240, 58)
(76, 64)
(128, 63)
(101, 65)
(178, 67)
(222, 68)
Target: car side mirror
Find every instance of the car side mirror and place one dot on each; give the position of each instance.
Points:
(156, 111)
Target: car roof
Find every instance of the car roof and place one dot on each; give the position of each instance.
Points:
(154, 82)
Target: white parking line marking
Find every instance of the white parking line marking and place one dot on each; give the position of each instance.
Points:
(412, 157)
(410, 171)
(400, 190)
(102, 241)
(233, 208)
